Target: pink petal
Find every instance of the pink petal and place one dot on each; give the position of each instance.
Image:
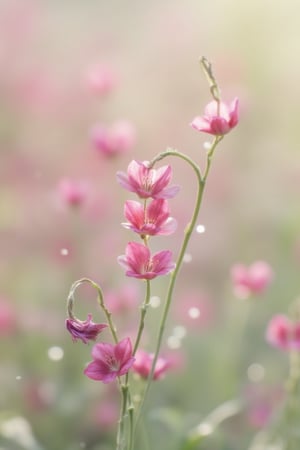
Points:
(168, 192)
(134, 213)
(201, 124)
(99, 372)
(123, 350)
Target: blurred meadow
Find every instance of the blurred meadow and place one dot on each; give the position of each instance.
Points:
(70, 71)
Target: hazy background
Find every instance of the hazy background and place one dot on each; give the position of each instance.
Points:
(250, 211)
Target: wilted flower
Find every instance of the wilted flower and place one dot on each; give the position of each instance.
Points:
(147, 182)
(117, 139)
(153, 220)
(140, 264)
(283, 333)
(85, 330)
(143, 364)
(110, 361)
(251, 280)
(218, 119)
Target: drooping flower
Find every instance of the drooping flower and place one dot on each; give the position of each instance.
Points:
(85, 330)
(283, 333)
(143, 364)
(140, 264)
(153, 220)
(117, 139)
(218, 119)
(251, 280)
(146, 182)
(110, 361)
(72, 192)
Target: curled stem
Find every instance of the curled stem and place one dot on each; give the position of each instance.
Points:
(100, 299)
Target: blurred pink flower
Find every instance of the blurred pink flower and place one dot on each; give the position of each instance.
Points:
(115, 140)
(106, 414)
(85, 330)
(261, 401)
(283, 333)
(110, 361)
(8, 319)
(218, 122)
(143, 363)
(147, 182)
(123, 300)
(72, 192)
(251, 280)
(140, 264)
(101, 79)
(153, 220)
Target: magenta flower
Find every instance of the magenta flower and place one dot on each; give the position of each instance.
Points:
(110, 361)
(85, 330)
(140, 264)
(251, 280)
(117, 139)
(143, 364)
(153, 220)
(147, 182)
(73, 192)
(283, 333)
(217, 122)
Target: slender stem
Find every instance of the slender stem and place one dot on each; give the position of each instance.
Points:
(120, 434)
(137, 341)
(187, 234)
(142, 318)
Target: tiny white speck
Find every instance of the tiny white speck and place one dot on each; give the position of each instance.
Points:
(256, 372)
(82, 445)
(207, 145)
(179, 332)
(18, 377)
(64, 251)
(204, 429)
(173, 342)
(194, 312)
(200, 229)
(187, 258)
(55, 353)
(155, 301)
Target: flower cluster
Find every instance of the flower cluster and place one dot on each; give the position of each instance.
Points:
(150, 219)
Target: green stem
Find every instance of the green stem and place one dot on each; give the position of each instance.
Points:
(187, 234)
(107, 313)
(121, 427)
(142, 318)
(136, 345)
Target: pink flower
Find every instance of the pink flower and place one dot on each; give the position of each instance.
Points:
(86, 331)
(140, 264)
(251, 280)
(101, 79)
(283, 333)
(114, 140)
(217, 122)
(152, 220)
(147, 182)
(143, 364)
(72, 192)
(8, 318)
(110, 361)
